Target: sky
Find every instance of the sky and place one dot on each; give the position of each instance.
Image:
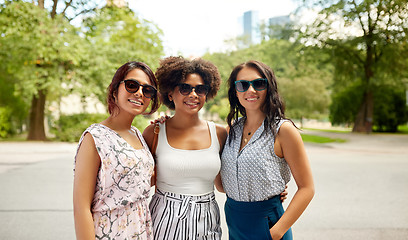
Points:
(191, 28)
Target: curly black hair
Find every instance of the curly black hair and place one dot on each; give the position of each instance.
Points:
(174, 70)
(273, 107)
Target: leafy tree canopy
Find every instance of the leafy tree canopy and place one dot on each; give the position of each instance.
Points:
(115, 36)
(45, 57)
(302, 79)
(368, 46)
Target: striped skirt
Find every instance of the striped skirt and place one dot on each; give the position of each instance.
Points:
(184, 217)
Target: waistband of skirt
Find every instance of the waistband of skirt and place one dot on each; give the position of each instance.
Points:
(209, 197)
(109, 206)
(257, 206)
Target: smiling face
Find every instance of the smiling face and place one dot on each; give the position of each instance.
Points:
(191, 103)
(133, 103)
(250, 99)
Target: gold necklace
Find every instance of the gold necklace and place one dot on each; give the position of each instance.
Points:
(246, 139)
(247, 136)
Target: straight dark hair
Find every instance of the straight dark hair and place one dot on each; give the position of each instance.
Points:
(273, 106)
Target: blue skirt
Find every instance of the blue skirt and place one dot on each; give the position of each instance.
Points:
(252, 220)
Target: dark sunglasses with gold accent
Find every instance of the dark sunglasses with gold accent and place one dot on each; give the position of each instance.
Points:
(200, 90)
(132, 86)
(258, 84)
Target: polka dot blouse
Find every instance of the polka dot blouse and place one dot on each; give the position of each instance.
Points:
(255, 173)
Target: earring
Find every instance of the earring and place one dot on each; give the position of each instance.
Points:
(170, 98)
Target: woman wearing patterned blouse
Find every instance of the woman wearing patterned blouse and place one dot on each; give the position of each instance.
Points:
(113, 165)
(262, 149)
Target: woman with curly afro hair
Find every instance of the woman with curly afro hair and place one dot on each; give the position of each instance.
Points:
(187, 153)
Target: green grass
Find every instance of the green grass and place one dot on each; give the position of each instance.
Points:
(320, 139)
(403, 129)
(328, 130)
(18, 138)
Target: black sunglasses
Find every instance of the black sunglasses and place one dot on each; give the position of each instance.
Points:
(132, 86)
(200, 90)
(258, 84)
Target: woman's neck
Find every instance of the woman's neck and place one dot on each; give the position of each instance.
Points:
(254, 118)
(118, 122)
(184, 120)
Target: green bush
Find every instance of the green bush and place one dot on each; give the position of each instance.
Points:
(68, 128)
(141, 122)
(5, 126)
(390, 108)
(345, 105)
(222, 108)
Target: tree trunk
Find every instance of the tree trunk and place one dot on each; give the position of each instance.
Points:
(36, 129)
(364, 118)
(41, 4)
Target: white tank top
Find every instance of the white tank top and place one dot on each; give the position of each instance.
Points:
(187, 172)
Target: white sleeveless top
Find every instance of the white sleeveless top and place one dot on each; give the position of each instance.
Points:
(187, 172)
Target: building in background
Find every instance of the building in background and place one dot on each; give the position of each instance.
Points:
(279, 27)
(280, 20)
(251, 27)
(274, 26)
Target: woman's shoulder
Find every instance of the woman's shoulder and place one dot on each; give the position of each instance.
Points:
(91, 136)
(221, 131)
(150, 131)
(95, 129)
(287, 130)
(101, 134)
(286, 123)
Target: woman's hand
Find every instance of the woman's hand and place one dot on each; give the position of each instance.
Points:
(284, 194)
(275, 235)
(161, 119)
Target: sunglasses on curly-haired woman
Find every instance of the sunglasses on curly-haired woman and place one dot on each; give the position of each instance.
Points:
(201, 90)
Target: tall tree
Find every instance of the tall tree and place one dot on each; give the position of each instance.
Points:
(48, 57)
(302, 80)
(116, 35)
(39, 51)
(367, 40)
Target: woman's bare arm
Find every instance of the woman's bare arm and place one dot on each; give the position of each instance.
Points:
(293, 151)
(222, 137)
(86, 170)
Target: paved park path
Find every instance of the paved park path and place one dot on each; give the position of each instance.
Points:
(361, 190)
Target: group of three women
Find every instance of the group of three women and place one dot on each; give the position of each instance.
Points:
(251, 162)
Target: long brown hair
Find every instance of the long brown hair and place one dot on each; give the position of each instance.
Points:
(273, 106)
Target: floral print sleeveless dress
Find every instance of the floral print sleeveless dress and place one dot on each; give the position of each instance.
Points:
(120, 204)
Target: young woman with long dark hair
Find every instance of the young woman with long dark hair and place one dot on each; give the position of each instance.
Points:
(262, 149)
